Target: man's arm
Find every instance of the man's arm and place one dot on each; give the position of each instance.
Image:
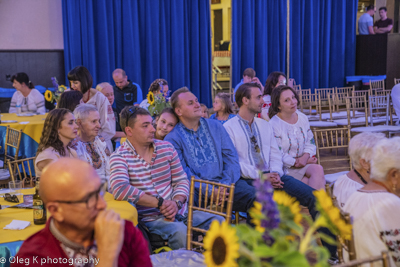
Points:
(180, 183)
(371, 30)
(230, 158)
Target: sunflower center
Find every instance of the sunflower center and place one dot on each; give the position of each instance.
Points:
(219, 251)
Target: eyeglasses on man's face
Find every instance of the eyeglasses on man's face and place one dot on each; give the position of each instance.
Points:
(91, 199)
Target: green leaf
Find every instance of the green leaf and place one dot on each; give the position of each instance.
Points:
(293, 258)
(264, 251)
(327, 239)
(322, 256)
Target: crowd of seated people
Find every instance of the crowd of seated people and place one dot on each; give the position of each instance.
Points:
(153, 167)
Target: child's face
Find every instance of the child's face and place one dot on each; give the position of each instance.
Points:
(204, 112)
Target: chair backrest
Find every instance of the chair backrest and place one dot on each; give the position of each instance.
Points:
(312, 102)
(396, 81)
(13, 139)
(332, 138)
(22, 169)
(380, 84)
(378, 107)
(208, 205)
(323, 92)
(356, 104)
(337, 103)
(304, 96)
(383, 258)
(297, 87)
(347, 90)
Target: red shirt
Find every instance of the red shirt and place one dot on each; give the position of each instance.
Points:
(43, 245)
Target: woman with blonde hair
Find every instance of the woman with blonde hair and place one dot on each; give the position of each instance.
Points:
(223, 108)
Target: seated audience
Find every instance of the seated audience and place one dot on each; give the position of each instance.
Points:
(258, 151)
(249, 76)
(274, 79)
(295, 138)
(107, 90)
(223, 108)
(148, 173)
(126, 92)
(81, 80)
(58, 131)
(395, 94)
(360, 152)
(89, 145)
(26, 96)
(156, 87)
(80, 228)
(166, 121)
(374, 208)
(204, 111)
(69, 100)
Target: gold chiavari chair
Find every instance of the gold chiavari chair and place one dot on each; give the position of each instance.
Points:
(337, 106)
(23, 169)
(323, 94)
(297, 87)
(208, 205)
(383, 258)
(345, 90)
(354, 104)
(396, 81)
(380, 84)
(13, 139)
(305, 99)
(379, 109)
(314, 110)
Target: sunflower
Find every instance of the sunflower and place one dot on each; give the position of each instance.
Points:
(62, 88)
(48, 95)
(221, 244)
(283, 199)
(331, 215)
(256, 215)
(150, 98)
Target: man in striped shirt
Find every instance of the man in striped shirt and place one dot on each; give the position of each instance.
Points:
(148, 173)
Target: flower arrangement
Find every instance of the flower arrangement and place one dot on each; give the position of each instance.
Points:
(59, 89)
(159, 101)
(279, 238)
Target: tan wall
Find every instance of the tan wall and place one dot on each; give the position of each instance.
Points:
(226, 19)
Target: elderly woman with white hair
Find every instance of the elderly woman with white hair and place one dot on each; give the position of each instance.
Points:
(375, 207)
(360, 152)
(89, 145)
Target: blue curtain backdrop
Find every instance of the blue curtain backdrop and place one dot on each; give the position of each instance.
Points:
(149, 39)
(258, 37)
(322, 40)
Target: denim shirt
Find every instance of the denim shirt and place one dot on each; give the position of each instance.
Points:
(207, 153)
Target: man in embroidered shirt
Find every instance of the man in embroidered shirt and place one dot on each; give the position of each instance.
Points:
(148, 173)
(258, 150)
(80, 229)
(205, 150)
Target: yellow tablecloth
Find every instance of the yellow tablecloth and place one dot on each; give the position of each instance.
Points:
(123, 208)
(33, 129)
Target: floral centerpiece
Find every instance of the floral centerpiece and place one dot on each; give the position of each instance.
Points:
(157, 102)
(59, 89)
(279, 238)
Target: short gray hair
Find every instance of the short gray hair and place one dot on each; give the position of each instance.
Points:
(385, 156)
(82, 111)
(361, 146)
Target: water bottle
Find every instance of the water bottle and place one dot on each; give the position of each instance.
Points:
(18, 108)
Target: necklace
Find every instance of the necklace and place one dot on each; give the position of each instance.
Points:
(360, 176)
(381, 184)
(87, 99)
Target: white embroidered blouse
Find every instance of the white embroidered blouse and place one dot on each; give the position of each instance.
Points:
(265, 107)
(344, 187)
(293, 139)
(33, 103)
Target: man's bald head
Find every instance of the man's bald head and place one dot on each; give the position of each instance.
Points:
(119, 72)
(120, 78)
(65, 178)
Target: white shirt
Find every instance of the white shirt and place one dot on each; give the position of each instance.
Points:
(396, 100)
(107, 119)
(376, 224)
(262, 130)
(265, 107)
(144, 104)
(344, 187)
(293, 139)
(33, 103)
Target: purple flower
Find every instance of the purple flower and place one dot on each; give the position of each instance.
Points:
(54, 82)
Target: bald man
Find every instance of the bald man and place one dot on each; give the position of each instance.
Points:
(80, 231)
(126, 92)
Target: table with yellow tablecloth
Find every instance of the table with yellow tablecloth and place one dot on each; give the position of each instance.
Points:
(123, 208)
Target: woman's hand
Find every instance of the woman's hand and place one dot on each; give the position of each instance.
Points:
(302, 161)
(312, 160)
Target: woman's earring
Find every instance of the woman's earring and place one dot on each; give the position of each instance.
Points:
(394, 188)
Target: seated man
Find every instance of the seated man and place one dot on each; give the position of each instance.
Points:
(205, 151)
(148, 173)
(80, 230)
(258, 150)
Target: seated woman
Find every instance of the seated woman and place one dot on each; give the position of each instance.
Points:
(58, 131)
(295, 138)
(374, 208)
(204, 111)
(89, 145)
(156, 87)
(274, 79)
(69, 100)
(27, 97)
(360, 152)
(81, 80)
(165, 123)
(223, 108)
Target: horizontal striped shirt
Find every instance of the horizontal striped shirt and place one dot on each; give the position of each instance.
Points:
(131, 177)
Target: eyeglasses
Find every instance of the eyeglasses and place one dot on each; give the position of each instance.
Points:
(11, 198)
(254, 141)
(132, 111)
(91, 199)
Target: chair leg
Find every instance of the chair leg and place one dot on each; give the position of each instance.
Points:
(236, 217)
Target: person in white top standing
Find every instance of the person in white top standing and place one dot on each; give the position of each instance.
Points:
(374, 208)
(81, 80)
(274, 79)
(26, 97)
(295, 138)
(360, 152)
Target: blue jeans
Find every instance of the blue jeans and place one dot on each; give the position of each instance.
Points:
(175, 232)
